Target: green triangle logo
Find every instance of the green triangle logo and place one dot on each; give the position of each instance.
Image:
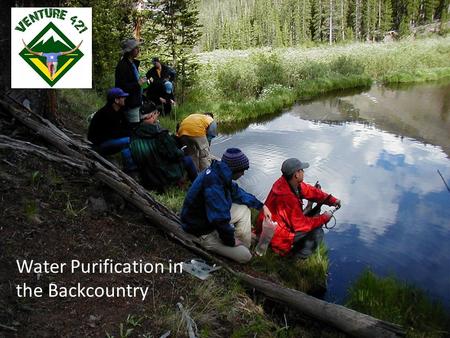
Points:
(51, 54)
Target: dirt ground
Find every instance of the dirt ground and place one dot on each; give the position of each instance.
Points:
(52, 214)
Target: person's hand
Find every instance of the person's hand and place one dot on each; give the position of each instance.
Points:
(328, 215)
(142, 80)
(172, 102)
(337, 204)
(237, 242)
(267, 213)
(162, 100)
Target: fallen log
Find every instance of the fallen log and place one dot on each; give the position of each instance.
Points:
(79, 156)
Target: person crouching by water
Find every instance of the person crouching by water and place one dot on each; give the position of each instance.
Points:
(217, 210)
(156, 154)
(196, 132)
(296, 234)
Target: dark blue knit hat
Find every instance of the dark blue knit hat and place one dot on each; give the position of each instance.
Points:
(235, 160)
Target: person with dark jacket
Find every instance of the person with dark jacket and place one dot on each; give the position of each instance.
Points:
(108, 129)
(128, 79)
(296, 234)
(157, 92)
(156, 154)
(217, 210)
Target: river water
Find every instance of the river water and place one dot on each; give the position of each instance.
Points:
(379, 151)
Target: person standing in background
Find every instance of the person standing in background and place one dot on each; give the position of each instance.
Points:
(127, 78)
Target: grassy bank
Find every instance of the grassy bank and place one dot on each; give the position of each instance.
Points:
(397, 302)
(246, 85)
(243, 86)
(309, 275)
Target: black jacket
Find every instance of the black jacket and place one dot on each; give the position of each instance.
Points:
(126, 80)
(107, 124)
(156, 87)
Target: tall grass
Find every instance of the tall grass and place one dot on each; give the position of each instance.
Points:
(392, 300)
(241, 86)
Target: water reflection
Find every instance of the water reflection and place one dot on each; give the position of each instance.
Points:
(395, 216)
(421, 112)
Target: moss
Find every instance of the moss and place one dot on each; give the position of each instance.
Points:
(309, 275)
(398, 302)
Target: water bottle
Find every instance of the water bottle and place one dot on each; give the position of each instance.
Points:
(268, 228)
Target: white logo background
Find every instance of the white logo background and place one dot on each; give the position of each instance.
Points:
(24, 76)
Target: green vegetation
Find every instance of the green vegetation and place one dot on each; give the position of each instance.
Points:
(309, 275)
(126, 329)
(241, 86)
(242, 24)
(82, 102)
(397, 302)
(173, 198)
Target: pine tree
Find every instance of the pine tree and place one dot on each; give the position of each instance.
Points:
(318, 19)
(358, 19)
(175, 25)
(386, 22)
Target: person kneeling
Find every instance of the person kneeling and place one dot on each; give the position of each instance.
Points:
(216, 208)
(296, 233)
(156, 154)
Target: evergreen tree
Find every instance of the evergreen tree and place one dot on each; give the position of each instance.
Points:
(112, 22)
(175, 31)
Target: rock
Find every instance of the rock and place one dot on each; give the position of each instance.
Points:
(98, 205)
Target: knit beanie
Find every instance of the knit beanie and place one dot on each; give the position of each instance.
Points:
(235, 160)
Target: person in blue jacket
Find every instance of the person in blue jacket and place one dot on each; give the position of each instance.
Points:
(217, 210)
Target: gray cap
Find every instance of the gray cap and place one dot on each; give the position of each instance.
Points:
(291, 165)
(128, 45)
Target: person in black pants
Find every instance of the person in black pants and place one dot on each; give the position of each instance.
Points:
(159, 91)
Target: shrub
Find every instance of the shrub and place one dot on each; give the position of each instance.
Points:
(237, 80)
(345, 65)
(268, 68)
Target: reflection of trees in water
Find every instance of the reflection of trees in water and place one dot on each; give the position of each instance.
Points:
(347, 110)
(445, 108)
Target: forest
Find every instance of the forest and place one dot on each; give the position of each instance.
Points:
(241, 24)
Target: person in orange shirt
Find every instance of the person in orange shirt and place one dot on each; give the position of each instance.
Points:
(196, 132)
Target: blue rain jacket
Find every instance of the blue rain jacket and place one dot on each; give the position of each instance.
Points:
(208, 202)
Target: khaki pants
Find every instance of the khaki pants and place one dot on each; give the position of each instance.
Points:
(241, 218)
(198, 149)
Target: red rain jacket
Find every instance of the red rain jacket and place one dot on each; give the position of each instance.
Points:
(287, 211)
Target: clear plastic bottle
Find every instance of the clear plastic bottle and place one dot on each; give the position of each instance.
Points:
(268, 228)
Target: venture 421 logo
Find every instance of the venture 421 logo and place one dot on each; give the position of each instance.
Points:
(53, 42)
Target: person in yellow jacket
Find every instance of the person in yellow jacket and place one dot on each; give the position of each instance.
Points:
(196, 132)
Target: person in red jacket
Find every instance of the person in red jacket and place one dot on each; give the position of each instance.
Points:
(296, 234)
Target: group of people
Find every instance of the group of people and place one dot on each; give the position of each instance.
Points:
(215, 208)
(158, 82)
(128, 124)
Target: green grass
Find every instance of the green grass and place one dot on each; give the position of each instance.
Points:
(309, 275)
(416, 76)
(81, 101)
(239, 86)
(395, 301)
(173, 198)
